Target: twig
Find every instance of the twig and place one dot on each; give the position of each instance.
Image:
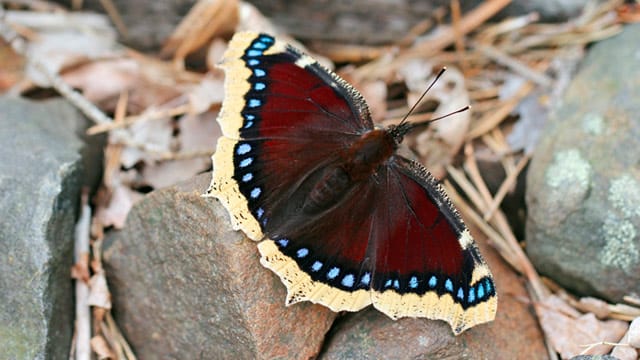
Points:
(113, 327)
(491, 120)
(429, 48)
(517, 66)
(114, 15)
(81, 255)
(128, 121)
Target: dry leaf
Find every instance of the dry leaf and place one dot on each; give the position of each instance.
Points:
(80, 270)
(99, 294)
(63, 39)
(596, 306)
(624, 352)
(570, 333)
(251, 19)
(375, 93)
(100, 346)
(633, 335)
(209, 92)
(122, 199)
(104, 79)
(198, 134)
(156, 135)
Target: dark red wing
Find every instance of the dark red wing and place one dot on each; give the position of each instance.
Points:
(284, 117)
(426, 263)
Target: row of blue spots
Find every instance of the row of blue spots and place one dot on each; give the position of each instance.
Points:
(254, 52)
(348, 280)
(243, 149)
(475, 293)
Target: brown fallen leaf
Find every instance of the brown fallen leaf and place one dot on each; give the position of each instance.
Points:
(115, 214)
(101, 348)
(572, 333)
(99, 294)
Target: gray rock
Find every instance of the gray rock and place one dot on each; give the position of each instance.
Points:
(149, 23)
(185, 285)
(382, 21)
(41, 174)
(583, 190)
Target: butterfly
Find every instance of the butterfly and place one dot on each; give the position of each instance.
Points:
(340, 218)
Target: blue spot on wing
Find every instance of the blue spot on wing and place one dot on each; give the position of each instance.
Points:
(448, 285)
(333, 273)
(480, 291)
(246, 162)
(316, 266)
(283, 242)
(365, 279)
(259, 45)
(347, 280)
(247, 177)
(243, 149)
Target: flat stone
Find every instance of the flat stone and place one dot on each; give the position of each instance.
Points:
(583, 194)
(41, 174)
(185, 285)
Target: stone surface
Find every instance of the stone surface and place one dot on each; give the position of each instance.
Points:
(185, 285)
(149, 23)
(583, 192)
(370, 334)
(41, 174)
(385, 22)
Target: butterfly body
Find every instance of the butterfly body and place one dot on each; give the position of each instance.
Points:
(341, 219)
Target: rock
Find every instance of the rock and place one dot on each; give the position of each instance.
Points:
(583, 191)
(386, 22)
(370, 334)
(594, 357)
(149, 23)
(41, 174)
(185, 285)
(549, 10)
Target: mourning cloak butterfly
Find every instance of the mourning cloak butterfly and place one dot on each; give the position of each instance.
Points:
(341, 219)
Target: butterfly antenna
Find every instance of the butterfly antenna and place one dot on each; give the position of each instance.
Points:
(415, 105)
(404, 127)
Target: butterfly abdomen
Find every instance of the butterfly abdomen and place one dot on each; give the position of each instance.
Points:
(327, 191)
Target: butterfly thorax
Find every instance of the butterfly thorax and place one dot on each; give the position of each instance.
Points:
(359, 162)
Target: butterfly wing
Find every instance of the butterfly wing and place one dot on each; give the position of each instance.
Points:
(283, 118)
(426, 262)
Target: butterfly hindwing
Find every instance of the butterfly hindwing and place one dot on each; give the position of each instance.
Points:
(427, 264)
